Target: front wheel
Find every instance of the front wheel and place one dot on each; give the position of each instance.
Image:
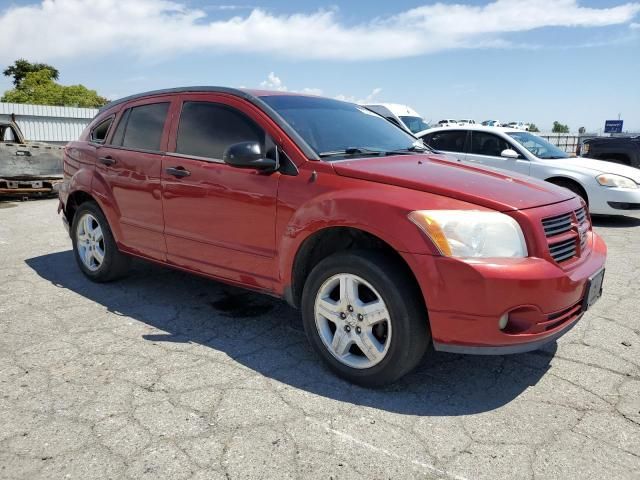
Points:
(364, 316)
(573, 187)
(94, 247)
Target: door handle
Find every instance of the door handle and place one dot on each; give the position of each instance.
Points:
(108, 160)
(178, 171)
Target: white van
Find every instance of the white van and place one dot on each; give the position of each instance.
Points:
(402, 115)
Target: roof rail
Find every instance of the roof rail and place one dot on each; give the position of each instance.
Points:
(274, 115)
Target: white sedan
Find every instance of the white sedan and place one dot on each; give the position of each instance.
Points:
(608, 188)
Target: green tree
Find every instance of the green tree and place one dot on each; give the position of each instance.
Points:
(22, 67)
(533, 128)
(560, 128)
(40, 89)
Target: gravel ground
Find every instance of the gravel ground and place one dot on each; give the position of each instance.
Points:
(166, 375)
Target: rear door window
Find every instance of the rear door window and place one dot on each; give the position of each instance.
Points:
(449, 140)
(207, 129)
(483, 143)
(140, 128)
(118, 136)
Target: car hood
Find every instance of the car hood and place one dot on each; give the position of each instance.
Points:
(439, 175)
(600, 166)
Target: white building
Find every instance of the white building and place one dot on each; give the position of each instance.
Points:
(44, 123)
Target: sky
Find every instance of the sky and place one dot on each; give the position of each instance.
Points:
(577, 62)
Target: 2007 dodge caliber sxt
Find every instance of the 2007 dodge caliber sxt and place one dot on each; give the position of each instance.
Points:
(384, 245)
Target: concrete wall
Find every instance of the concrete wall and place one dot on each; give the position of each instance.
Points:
(45, 123)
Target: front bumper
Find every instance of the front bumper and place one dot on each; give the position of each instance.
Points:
(467, 299)
(615, 201)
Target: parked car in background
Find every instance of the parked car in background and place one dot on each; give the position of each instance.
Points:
(492, 123)
(608, 188)
(623, 150)
(447, 123)
(27, 168)
(467, 121)
(402, 115)
(519, 126)
(337, 211)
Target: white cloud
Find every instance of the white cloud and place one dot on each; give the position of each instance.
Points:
(311, 91)
(159, 28)
(274, 82)
(368, 99)
(229, 7)
(635, 25)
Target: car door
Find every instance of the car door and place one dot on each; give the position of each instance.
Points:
(486, 148)
(129, 165)
(219, 219)
(452, 142)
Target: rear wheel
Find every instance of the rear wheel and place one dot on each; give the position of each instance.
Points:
(94, 247)
(363, 315)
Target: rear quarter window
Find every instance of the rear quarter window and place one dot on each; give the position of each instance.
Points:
(100, 131)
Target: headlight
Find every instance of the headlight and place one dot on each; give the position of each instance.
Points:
(611, 180)
(472, 234)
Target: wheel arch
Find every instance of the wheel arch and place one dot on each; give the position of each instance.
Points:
(78, 196)
(563, 179)
(74, 200)
(327, 241)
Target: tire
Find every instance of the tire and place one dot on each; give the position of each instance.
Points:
(94, 247)
(400, 339)
(573, 186)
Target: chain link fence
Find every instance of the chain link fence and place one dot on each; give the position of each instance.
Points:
(569, 142)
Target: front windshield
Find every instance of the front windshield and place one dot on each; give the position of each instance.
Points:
(538, 146)
(415, 124)
(332, 126)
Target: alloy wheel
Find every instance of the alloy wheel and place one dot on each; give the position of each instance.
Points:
(353, 321)
(90, 242)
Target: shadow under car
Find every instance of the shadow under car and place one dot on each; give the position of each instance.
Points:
(265, 334)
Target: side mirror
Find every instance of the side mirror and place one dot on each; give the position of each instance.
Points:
(509, 153)
(248, 155)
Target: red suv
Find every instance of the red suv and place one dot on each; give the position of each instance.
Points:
(384, 245)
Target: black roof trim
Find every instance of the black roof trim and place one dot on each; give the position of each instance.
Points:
(267, 109)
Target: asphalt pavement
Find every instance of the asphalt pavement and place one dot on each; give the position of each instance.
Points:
(168, 375)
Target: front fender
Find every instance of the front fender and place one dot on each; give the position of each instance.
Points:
(378, 209)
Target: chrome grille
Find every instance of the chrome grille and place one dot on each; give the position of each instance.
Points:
(566, 234)
(563, 250)
(583, 224)
(557, 225)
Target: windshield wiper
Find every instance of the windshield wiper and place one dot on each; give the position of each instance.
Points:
(411, 149)
(369, 151)
(352, 151)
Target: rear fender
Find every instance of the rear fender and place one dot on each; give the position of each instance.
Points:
(101, 191)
